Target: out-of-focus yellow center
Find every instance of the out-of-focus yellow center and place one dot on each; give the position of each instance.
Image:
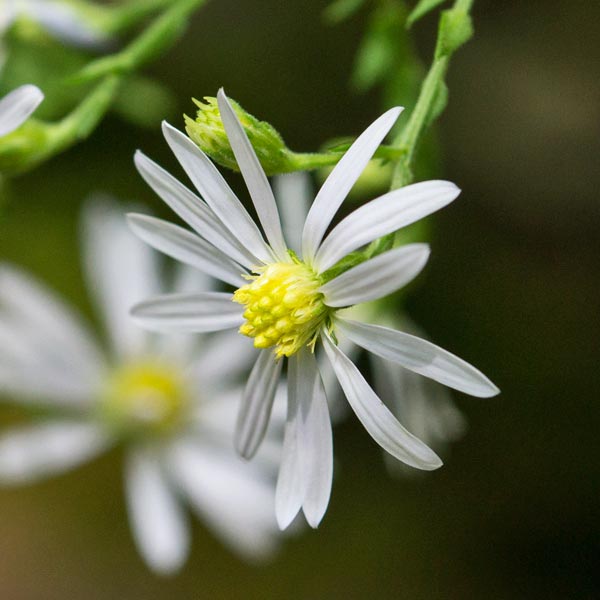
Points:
(283, 307)
(145, 397)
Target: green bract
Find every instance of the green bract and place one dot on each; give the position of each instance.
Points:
(208, 134)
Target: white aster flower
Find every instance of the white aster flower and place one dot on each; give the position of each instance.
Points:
(170, 401)
(59, 18)
(17, 106)
(288, 305)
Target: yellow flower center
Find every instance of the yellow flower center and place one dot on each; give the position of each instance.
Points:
(147, 397)
(283, 307)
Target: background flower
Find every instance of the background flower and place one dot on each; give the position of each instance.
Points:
(166, 400)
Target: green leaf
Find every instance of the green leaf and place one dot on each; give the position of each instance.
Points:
(386, 56)
(421, 9)
(456, 28)
(340, 10)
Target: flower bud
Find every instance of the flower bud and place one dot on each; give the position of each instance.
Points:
(208, 133)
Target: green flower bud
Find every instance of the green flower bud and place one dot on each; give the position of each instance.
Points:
(209, 135)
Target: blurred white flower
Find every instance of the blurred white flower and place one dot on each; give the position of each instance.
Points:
(289, 304)
(60, 18)
(170, 401)
(17, 106)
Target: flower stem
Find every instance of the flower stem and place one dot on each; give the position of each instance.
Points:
(153, 41)
(454, 29)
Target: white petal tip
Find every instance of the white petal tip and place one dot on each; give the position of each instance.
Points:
(489, 391)
(284, 520)
(314, 521)
(33, 94)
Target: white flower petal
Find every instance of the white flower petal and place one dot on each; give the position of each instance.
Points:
(50, 328)
(35, 452)
(340, 181)
(316, 444)
(186, 247)
(192, 210)
(157, 520)
(377, 419)
(254, 176)
(216, 192)
(17, 106)
(376, 277)
(423, 405)
(234, 497)
(257, 402)
(419, 356)
(292, 480)
(186, 313)
(384, 215)
(121, 271)
(293, 195)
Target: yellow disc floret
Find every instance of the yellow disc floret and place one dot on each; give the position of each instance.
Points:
(284, 307)
(146, 397)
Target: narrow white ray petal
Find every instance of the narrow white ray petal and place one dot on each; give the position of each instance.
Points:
(17, 106)
(49, 326)
(186, 313)
(121, 271)
(419, 356)
(254, 176)
(377, 277)
(292, 480)
(257, 402)
(340, 181)
(316, 444)
(293, 195)
(233, 497)
(38, 384)
(192, 210)
(423, 405)
(35, 452)
(157, 520)
(187, 247)
(377, 419)
(216, 192)
(384, 215)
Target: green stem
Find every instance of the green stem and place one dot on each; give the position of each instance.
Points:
(80, 123)
(117, 19)
(453, 31)
(308, 161)
(158, 37)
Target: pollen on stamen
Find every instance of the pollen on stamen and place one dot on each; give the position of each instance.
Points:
(284, 308)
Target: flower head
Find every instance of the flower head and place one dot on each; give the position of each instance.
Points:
(165, 400)
(229, 245)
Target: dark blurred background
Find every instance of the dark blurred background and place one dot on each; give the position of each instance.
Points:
(513, 286)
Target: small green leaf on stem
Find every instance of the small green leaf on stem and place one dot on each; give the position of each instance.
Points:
(422, 8)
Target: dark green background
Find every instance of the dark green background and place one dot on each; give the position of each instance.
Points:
(513, 286)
